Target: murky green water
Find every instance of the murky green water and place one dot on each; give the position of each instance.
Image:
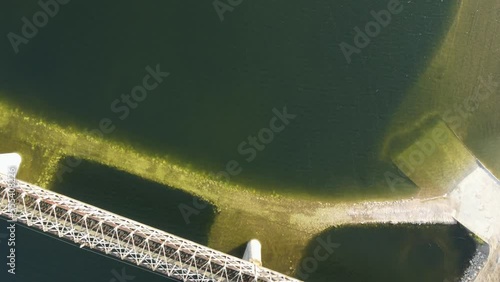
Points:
(388, 253)
(225, 79)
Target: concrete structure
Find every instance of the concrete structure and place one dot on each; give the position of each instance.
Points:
(253, 252)
(9, 164)
(476, 202)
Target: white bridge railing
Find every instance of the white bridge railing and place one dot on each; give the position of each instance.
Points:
(123, 238)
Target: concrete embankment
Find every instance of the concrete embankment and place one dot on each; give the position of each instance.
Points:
(416, 211)
(477, 263)
(491, 269)
(476, 201)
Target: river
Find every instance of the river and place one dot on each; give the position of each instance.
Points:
(227, 79)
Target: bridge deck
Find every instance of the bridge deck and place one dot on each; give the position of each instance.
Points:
(123, 238)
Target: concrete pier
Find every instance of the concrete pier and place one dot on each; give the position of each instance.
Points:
(9, 164)
(476, 202)
(253, 252)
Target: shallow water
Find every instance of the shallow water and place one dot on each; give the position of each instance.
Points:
(227, 77)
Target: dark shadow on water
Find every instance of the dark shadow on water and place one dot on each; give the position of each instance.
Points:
(138, 199)
(238, 251)
(388, 253)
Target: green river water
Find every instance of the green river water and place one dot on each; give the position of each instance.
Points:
(225, 79)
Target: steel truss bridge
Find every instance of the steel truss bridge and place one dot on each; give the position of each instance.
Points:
(123, 238)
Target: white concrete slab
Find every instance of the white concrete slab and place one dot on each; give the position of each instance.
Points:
(477, 204)
(9, 164)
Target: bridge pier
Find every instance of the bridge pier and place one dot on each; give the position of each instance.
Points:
(252, 252)
(284, 245)
(9, 164)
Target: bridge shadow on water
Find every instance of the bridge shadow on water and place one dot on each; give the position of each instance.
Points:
(431, 253)
(138, 199)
